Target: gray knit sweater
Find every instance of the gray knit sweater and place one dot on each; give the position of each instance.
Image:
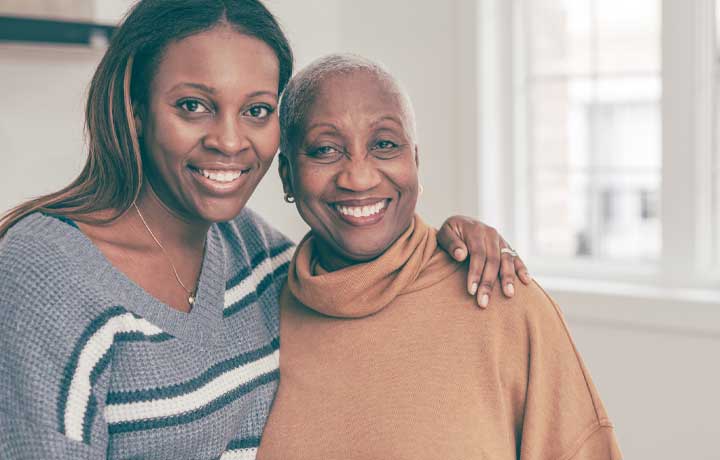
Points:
(91, 366)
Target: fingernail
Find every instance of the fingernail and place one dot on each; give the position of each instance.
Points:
(510, 289)
(484, 300)
(473, 289)
(459, 253)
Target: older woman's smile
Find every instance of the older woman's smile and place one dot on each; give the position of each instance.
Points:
(362, 212)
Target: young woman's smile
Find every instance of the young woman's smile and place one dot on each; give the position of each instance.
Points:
(210, 131)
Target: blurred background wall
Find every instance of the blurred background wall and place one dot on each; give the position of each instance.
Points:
(585, 130)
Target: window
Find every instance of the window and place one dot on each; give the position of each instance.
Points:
(611, 109)
(593, 127)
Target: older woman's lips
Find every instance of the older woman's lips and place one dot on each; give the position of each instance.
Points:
(361, 214)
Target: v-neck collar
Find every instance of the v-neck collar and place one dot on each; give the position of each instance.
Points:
(198, 325)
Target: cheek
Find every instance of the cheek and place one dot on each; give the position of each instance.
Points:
(404, 175)
(311, 181)
(267, 141)
(169, 139)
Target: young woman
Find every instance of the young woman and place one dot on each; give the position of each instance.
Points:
(138, 305)
(382, 353)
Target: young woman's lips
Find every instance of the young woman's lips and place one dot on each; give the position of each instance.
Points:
(360, 213)
(220, 182)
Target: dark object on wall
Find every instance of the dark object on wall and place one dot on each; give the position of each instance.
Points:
(17, 29)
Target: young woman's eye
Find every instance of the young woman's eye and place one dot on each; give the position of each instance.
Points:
(259, 111)
(193, 106)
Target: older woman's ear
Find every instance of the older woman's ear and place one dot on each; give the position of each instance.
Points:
(417, 157)
(284, 169)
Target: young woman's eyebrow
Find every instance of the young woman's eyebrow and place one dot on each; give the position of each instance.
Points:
(272, 94)
(200, 86)
(210, 90)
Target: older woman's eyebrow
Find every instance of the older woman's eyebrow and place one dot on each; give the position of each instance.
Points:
(321, 125)
(387, 118)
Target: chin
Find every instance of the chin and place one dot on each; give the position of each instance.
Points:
(220, 212)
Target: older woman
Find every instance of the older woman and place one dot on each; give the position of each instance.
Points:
(382, 353)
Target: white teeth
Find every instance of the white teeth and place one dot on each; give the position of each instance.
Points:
(220, 176)
(361, 211)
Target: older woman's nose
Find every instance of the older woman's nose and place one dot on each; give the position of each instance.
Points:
(358, 175)
(227, 136)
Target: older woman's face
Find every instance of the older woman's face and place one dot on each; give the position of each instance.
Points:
(355, 176)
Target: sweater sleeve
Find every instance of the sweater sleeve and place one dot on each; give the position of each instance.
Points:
(564, 418)
(51, 401)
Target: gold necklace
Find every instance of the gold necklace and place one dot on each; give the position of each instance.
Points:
(190, 294)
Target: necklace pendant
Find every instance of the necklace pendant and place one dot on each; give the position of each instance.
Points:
(191, 300)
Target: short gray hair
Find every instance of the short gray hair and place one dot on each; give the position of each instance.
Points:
(300, 93)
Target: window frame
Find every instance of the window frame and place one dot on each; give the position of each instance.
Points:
(690, 220)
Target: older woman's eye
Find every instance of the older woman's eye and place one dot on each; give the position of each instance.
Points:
(384, 145)
(259, 111)
(193, 106)
(324, 153)
(322, 150)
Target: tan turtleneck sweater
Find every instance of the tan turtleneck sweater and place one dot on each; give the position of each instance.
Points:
(391, 359)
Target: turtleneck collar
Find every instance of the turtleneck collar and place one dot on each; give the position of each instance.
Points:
(366, 288)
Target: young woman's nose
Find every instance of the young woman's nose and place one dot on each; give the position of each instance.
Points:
(227, 136)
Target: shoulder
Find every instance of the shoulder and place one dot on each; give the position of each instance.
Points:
(254, 230)
(259, 259)
(44, 282)
(36, 251)
(250, 237)
(530, 315)
(536, 309)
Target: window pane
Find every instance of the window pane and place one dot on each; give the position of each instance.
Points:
(628, 36)
(559, 36)
(594, 128)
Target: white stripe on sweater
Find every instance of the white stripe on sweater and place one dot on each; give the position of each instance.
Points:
(93, 351)
(249, 284)
(240, 454)
(212, 390)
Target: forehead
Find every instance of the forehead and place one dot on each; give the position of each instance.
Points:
(360, 92)
(220, 58)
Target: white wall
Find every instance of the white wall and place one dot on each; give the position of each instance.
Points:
(41, 124)
(652, 355)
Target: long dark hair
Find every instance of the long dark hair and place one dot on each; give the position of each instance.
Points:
(112, 175)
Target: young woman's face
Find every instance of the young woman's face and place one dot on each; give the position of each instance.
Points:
(355, 176)
(210, 128)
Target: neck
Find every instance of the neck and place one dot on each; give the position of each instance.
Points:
(329, 259)
(168, 226)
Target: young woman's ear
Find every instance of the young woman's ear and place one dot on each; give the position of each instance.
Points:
(137, 118)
